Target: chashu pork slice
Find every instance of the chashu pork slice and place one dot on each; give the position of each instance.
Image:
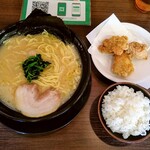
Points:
(30, 102)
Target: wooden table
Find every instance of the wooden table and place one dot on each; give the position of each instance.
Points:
(85, 131)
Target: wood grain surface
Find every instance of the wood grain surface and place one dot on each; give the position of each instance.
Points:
(85, 131)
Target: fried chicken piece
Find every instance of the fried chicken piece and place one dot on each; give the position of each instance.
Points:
(137, 50)
(115, 44)
(122, 65)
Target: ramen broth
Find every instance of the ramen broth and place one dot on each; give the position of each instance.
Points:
(63, 73)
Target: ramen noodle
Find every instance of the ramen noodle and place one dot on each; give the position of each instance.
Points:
(63, 74)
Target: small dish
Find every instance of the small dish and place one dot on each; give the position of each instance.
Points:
(115, 135)
(103, 62)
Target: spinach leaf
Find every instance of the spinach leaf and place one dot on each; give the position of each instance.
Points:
(33, 66)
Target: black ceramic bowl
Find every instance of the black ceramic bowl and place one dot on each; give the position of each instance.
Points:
(117, 136)
(36, 23)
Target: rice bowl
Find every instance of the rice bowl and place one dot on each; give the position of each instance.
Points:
(124, 111)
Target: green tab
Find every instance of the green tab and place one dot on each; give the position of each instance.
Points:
(61, 10)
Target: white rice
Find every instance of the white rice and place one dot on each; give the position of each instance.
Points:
(126, 112)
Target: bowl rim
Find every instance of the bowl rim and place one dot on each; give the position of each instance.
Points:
(143, 138)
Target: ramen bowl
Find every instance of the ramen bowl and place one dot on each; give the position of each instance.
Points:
(120, 115)
(37, 22)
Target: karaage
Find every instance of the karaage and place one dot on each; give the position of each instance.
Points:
(137, 50)
(115, 45)
(123, 52)
(122, 65)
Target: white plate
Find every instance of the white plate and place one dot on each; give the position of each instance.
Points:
(142, 67)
